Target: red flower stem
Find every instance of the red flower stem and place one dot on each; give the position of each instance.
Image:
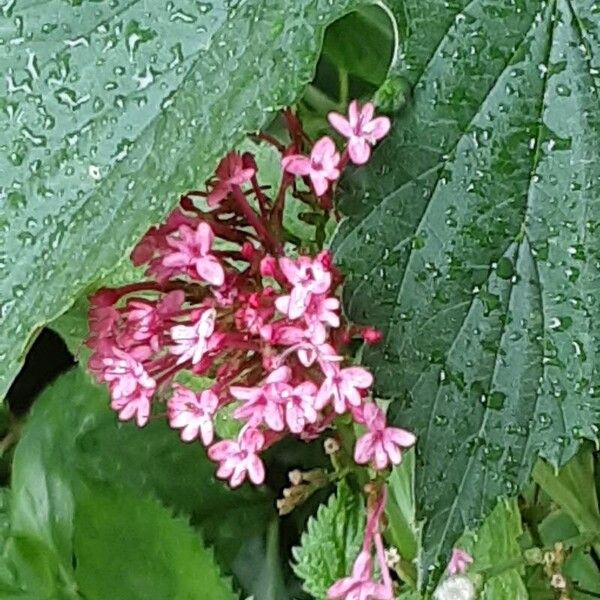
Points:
(253, 220)
(263, 201)
(144, 286)
(279, 206)
(265, 137)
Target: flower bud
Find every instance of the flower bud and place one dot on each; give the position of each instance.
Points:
(371, 335)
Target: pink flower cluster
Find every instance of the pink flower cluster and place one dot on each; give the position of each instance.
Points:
(224, 301)
(226, 298)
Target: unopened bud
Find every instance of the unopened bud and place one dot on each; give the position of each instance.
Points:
(248, 161)
(325, 258)
(268, 266)
(331, 446)
(248, 250)
(558, 581)
(371, 335)
(392, 557)
(295, 477)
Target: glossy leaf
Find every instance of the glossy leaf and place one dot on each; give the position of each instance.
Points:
(331, 542)
(109, 111)
(471, 241)
(131, 547)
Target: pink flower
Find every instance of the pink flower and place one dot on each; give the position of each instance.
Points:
(308, 277)
(323, 309)
(343, 385)
(264, 403)
(361, 129)
(131, 388)
(190, 252)
(239, 458)
(300, 406)
(145, 319)
(194, 341)
(306, 341)
(193, 413)
(459, 561)
(321, 167)
(381, 444)
(230, 172)
(360, 585)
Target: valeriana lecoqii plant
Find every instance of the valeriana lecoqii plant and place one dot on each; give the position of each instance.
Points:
(229, 298)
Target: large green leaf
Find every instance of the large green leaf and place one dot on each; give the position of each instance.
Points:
(127, 547)
(331, 542)
(109, 111)
(472, 241)
(72, 441)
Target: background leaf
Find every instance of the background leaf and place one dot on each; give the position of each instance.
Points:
(72, 441)
(493, 547)
(130, 547)
(470, 240)
(112, 109)
(331, 542)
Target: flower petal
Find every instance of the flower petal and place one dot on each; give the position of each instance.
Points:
(340, 124)
(210, 269)
(296, 164)
(359, 150)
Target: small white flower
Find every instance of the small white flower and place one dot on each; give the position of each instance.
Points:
(456, 587)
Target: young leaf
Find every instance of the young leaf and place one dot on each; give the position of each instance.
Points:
(400, 510)
(109, 112)
(470, 241)
(331, 542)
(131, 547)
(495, 545)
(573, 489)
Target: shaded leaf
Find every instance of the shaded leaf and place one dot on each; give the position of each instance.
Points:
(72, 440)
(112, 109)
(361, 44)
(131, 547)
(331, 542)
(573, 489)
(493, 161)
(400, 509)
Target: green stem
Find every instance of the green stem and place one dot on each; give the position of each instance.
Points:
(320, 101)
(344, 92)
(579, 541)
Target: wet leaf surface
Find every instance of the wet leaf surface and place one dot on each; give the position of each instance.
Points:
(472, 241)
(108, 111)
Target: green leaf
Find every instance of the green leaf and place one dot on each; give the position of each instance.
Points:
(494, 160)
(259, 568)
(110, 111)
(73, 440)
(361, 44)
(131, 547)
(495, 547)
(573, 489)
(331, 542)
(400, 510)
